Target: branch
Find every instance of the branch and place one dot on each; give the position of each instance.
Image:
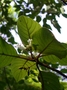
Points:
(19, 56)
(33, 60)
(53, 69)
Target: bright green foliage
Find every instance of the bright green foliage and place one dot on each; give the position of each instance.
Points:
(64, 84)
(26, 28)
(7, 52)
(32, 83)
(21, 67)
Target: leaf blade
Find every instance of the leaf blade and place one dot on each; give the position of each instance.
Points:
(50, 81)
(26, 28)
(47, 44)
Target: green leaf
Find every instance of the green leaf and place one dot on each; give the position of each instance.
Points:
(47, 44)
(26, 28)
(64, 70)
(30, 84)
(65, 15)
(49, 81)
(20, 68)
(64, 85)
(54, 60)
(6, 51)
(38, 18)
(56, 25)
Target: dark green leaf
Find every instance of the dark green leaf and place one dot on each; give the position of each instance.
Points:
(56, 25)
(49, 81)
(38, 18)
(65, 15)
(64, 70)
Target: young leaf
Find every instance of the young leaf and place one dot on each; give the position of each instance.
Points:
(26, 28)
(49, 81)
(47, 44)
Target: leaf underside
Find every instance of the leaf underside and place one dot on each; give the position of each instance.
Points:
(26, 28)
(47, 44)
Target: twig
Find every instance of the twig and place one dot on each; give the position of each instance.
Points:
(53, 69)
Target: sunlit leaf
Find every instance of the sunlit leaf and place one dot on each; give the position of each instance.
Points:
(20, 68)
(6, 51)
(26, 28)
(64, 85)
(47, 44)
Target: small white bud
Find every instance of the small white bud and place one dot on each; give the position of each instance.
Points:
(29, 42)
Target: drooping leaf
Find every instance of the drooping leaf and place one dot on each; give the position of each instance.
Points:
(47, 44)
(26, 28)
(49, 81)
(6, 51)
(20, 68)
